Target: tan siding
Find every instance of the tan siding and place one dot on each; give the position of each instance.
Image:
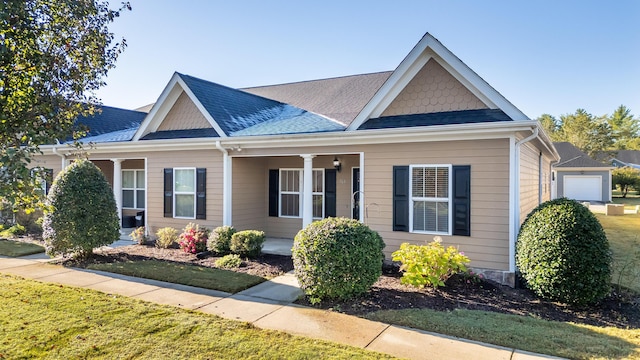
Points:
(52, 162)
(529, 179)
(488, 245)
(433, 89)
(249, 205)
(184, 115)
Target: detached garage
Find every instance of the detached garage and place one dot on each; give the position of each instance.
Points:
(579, 177)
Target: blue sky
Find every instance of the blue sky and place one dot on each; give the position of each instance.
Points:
(544, 56)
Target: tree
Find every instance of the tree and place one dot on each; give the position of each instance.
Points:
(626, 178)
(550, 125)
(54, 55)
(82, 213)
(625, 129)
(586, 132)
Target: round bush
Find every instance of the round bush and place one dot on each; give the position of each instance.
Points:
(563, 253)
(219, 240)
(82, 213)
(337, 258)
(247, 243)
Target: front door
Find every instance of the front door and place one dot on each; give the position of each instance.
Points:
(355, 193)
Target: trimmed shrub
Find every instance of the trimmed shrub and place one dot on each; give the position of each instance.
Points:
(247, 243)
(138, 235)
(194, 238)
(563, 253)
(165, 237)
(429, 265)
(230, 261)
(13, 231)
(337, 258)
(81, 213)
(219, 240)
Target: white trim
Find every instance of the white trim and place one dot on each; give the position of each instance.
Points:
(135, 189)
(474, 131)
(429, 47)
(449, 199)
(300, 193)
(568, 169)
(164, 104)
(146, 194)
(194, 193)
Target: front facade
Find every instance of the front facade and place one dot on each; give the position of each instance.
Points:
(428, 149)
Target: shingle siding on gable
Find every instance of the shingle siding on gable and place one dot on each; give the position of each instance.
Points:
(184, 115)
(433, 89)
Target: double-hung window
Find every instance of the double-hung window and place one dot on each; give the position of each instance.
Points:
(184, 193)
(290, 193)
(430, 209)
(133, 189)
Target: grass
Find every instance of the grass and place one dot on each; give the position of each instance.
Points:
(562, 339)
(52, 321)
(202, 277)
(526, 333)
(630, 202)
(623, 233)
(19, 248)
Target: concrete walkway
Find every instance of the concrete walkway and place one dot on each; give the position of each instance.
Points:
(269, 306)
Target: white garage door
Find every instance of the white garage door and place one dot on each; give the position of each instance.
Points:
(583, 187)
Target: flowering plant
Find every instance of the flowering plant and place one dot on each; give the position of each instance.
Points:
(138, 235)
(193, 238)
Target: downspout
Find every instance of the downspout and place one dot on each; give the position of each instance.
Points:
(226, 185)
(63, 156)
(516, 209)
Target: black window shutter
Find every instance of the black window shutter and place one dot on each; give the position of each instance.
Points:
(330, 193)
(168, 192)
(400, 198)
(462, 200)
(274, 178)
(201, 193)
(48, 178)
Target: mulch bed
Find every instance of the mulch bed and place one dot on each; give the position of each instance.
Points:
(620, 309)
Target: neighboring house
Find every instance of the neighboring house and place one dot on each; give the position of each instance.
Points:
(579, 177)
(624, 158)
(427, 149)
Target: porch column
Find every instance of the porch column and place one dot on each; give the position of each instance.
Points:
(307, 190)
(117, 185)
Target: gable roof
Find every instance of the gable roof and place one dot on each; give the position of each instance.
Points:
(111, 124)
(231, 112)
(572, 157)
(430, 48)
(339, 98)
(628, 156)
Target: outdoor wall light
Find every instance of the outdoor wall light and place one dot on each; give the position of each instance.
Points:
(336, 164)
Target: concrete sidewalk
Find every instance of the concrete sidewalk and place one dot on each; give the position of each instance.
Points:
(269, 306)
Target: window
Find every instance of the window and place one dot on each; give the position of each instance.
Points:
(430, 199)
(184, 193)
(133, 189)
(290, 193)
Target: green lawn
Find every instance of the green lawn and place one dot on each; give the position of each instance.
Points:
(19, 248)
(57, 322)
(541, 336)
(203, 277)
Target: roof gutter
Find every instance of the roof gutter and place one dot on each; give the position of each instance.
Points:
(515, 212)
(226, 184)
(54, 149)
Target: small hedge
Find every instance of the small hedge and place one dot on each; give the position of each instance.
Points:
(563, 253)
(247, 243)
(166, 237)
(193, 238)
(219, 240)
(337, 258)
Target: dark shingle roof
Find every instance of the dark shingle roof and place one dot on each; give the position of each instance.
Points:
(628, 156)
(340, 98)
(439, 118)
(572, 157)
(238, 112)
(181, 134)
(111, 124)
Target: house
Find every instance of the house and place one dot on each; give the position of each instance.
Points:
(624, 158)
(427, 149)
(579, 177)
